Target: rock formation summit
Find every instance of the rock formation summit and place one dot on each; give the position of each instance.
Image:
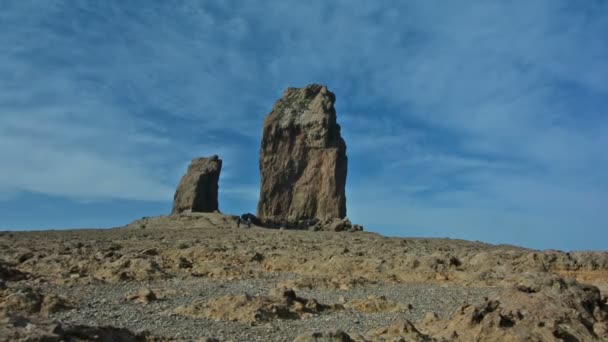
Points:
(198, 189)
(303, 161)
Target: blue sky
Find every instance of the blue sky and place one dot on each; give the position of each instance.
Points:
(471, 119)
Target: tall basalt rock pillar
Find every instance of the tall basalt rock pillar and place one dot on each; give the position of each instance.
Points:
(198, 189)
(303, 161)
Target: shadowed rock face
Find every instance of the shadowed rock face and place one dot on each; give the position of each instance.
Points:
(303, 160)
(198, 189)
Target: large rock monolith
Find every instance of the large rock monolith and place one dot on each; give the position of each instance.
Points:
(303, 160)
(198, 189)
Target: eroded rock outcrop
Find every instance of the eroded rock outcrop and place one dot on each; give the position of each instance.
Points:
(198, 189)
(19, 328)
(303, 160)
(282, 303)
(28, 301)
(398, 331)
(541, 307)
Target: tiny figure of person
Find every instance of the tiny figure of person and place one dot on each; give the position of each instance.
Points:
(238, 222)
(249, 222)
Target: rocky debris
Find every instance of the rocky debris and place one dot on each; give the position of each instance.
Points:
(9, 273)
(282, 303)
(399, 331)
(336, 225)
(105, 305)
(203, 257)
(541, 307)
(27, 301)
(129, 268)
(185, 220)
(374, 304)
(324, 336)
(206, 220)
(105, 333)
(209, 245)
(341, 283)
(254, 220)
(431, 317)
(143, 296)
(198, 189)
(328, 225)
(303, 160)
(18, 328)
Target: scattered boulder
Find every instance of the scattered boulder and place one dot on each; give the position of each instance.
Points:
(342, 283)
(28, 301)
(303, 161)
(103, 333)
(399, 331)
(282, 303)
(324, 336)
(198, 189)
(143, 296)
(129, 268)
(9, 273)
(254, 219)
(340, 225)
(18, 328)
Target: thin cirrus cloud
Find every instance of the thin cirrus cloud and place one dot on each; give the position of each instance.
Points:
(470, 119)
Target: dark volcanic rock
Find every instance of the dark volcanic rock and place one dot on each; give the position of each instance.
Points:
(9, 273)
(198, 189)
(256, 221)
(303, 160)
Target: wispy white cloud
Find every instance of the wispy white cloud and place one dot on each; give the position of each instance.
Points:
(64, 160)
(452, 110)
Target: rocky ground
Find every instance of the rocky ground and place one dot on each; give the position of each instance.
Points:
(198, 277)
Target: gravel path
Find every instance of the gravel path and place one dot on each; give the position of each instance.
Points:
(103, 304)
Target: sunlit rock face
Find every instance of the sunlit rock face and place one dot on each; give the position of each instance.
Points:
(303, 161)
(198, 189)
